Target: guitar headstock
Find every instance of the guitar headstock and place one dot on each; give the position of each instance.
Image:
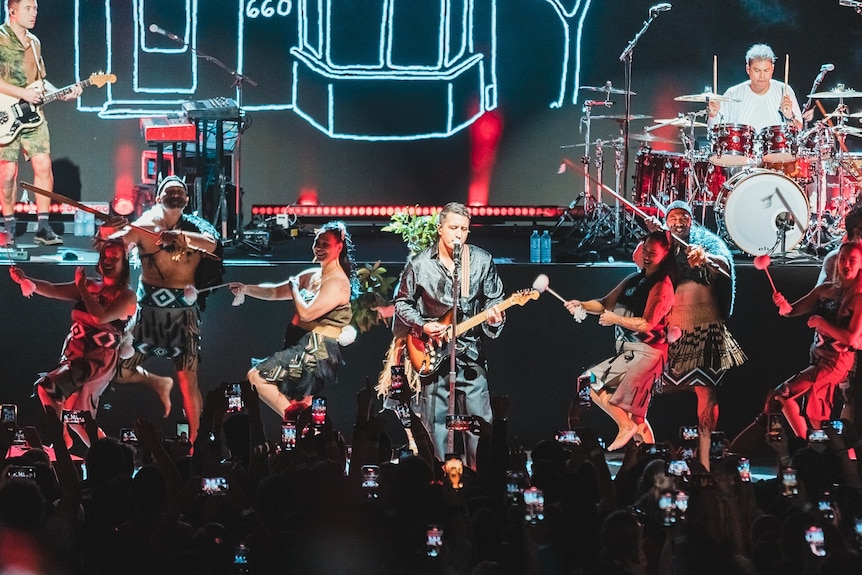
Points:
(521, 297)
(99, 80)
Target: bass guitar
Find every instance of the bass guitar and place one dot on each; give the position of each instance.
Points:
(16, 115)
(426, 354)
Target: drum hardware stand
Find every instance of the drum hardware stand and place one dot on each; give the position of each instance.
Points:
(584, 127)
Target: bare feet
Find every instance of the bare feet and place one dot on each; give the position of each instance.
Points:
(623, 437)
(163, 386)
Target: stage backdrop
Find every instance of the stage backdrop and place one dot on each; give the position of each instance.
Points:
(409, 102)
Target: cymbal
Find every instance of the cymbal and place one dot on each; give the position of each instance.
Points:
(622, 117)
(839, 92)
(705, 97)
(653, 139)
(597, 143)
(683, 121)
(847, 130)
(607, 89)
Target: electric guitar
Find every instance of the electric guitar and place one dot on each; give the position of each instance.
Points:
(426, 355)
(15, 114)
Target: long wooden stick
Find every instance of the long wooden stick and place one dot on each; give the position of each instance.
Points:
(644, 215)
(102, 216)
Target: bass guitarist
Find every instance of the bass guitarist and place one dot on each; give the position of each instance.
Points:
(423, 301)
(22, 76)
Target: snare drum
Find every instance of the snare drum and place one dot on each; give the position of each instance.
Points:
(778, 143)
(732, 145)
(757, 205)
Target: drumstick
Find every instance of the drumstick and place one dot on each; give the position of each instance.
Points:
(639, 211)
(102, 216)
(715, 73)
(786, 74)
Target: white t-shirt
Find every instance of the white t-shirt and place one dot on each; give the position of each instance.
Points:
(755, 110)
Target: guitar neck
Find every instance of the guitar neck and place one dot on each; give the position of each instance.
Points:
(64, 91)
(469, 324)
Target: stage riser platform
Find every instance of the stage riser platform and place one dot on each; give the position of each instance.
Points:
(536, 360)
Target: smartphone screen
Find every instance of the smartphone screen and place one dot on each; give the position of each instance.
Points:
(584, 382)
(534, 505)
(214, 485)
(318, 411)
(666, 508)
(716, 445)
(826, 507)
(127, 435)
(835, 424)
(183, 431)
(396, 382)
(789, 483)
(459, 422)
(514, 485)
(680, 503)
(433, 541)
(21, 472)
(816, 541)
(288, 435)
(688, 433)
(233, 393)
(568, 436)
(817, 436)
(744, 468)
(240, 555)
(678, 467)
(73, 416)
(370, 475)
(9, 414)
(774, 427)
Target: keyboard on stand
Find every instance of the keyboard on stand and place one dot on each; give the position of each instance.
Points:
(212, 109)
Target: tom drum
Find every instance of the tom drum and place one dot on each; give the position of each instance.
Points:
(732, 145)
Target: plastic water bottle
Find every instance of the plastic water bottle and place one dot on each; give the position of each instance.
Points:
(545, 247)
(89, 224)
(535, 248)
(79, 223)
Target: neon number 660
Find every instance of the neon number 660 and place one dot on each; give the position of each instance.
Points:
(282, 8)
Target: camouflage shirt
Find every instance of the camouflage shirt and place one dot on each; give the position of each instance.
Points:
(17, 61)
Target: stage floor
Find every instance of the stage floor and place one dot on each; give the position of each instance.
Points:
(535, 361)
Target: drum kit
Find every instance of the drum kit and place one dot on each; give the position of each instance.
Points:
(769, 191)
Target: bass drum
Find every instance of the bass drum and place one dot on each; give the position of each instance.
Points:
(756, 206)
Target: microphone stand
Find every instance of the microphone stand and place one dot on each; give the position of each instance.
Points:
(817, 81)
(453, 366)
(626, 59)
(238, 81)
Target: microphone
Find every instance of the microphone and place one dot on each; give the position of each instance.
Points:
(663, 7)
(850, 3)
(456, 251)
(155, 29)
(604, 103)
(827, 67)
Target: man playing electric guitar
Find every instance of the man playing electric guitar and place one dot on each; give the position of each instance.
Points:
(21, 65)
(425, 295)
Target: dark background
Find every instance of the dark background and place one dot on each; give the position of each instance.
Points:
(282, 153)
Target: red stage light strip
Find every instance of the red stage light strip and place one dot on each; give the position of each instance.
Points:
(385, 212)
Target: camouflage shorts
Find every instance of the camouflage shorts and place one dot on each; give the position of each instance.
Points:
(33, 141)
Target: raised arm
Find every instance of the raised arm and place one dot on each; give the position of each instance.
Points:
(852, 336)
(334, 291)
(67, 291)
(123, 306)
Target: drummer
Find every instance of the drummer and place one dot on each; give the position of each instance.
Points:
(761, 101)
